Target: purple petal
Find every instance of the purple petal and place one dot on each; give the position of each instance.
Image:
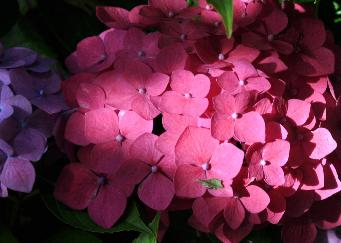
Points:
(5, 111)
(43, 122)
(8, 129)
(17, 57)
(18, 175)
(42, 65)
(23, 83)
(4, 77)
(6, 93)
(50, 104)
(30, 144)
(6, 148)
(3, 190)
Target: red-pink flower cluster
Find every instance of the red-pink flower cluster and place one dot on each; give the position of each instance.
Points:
(249, 129)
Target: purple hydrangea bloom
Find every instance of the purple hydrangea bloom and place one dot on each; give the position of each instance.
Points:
(30, 103)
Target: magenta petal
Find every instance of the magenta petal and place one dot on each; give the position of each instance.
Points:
(234, 213)
(195, 106)
(186, 181)
(228, 81)
(256, 201)
(18, 175)
(250, 128)
(108, 206)
(172, 102)
(156, 191)
(157, 83)
(76, 186)
(132, 125)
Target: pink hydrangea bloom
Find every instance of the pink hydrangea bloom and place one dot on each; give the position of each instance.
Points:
(242, 131)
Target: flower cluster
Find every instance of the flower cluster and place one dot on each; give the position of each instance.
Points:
(247, 135)
(29, 99)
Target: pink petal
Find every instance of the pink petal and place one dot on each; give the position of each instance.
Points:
(244, 69)
(256, 201)
(177, 123)
(234, 213)
(195, 146)
(195, 106)
(166, 142)
(243, 52)
(101, 125)
(90, 51)
(113, 16)
(222, 126)
(132, 125)
(144, 106)
(260, 84)
(76, 186)
(206, 209)
(250, 128)
(273, 175)
(229, 82)
(157, 83)
(172, 102)
(313, 177)
(90, 96)
(320, 145)
(186, 181)
(298, 111)
(225, 156)
(156, 191)
(171, 58)
(276, 207)
(225, 103)
(276, 152)
(108, 206)
(332, 183)
(144, 149)
(274, 131)
(75, 129)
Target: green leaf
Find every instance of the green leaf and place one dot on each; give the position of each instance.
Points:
(225, 9)
(75, 236)
(6, 235)
(192, 2)
(81, 220)
(24, 34)
(150, 237)
(211, 183)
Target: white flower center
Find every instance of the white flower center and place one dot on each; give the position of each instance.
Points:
(262, 162)
(119, 138)
(208, 7)
(234, 115)
(221, 56)
(154, 169)
(270, 37)
(170, 14)
(205, 166)
(140, 53)
(142, 90)
(241, 82)
(183, 36)
(187, 95)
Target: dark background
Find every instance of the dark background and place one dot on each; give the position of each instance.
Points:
(53, 28)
